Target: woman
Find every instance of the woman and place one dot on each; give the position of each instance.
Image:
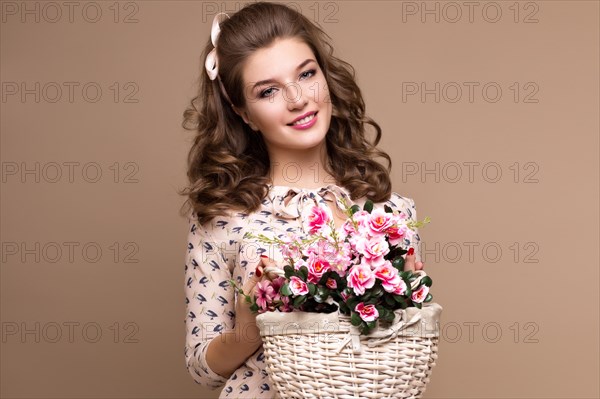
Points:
(280, 125)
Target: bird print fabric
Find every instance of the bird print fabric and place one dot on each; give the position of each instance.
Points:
(217, 252)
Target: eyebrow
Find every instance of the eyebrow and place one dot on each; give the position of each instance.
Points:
(267, 81)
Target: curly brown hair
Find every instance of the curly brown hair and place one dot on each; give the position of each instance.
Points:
(228, 164)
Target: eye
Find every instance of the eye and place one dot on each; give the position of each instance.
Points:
(266, 93)
(308, 74)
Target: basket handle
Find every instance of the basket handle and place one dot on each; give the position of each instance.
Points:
(275, 270)
(419, 273)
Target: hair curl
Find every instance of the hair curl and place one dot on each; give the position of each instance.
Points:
(228, 163)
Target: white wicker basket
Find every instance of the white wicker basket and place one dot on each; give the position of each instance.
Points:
(318, 355)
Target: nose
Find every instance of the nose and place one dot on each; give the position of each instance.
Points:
(295, 96)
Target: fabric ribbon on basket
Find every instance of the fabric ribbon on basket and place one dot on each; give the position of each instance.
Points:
(384, 335)
(413, 321)
(423, 322)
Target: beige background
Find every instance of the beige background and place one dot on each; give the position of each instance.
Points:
(520, 323)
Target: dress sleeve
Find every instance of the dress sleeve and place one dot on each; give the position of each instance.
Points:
(209, 299)
(407, 206)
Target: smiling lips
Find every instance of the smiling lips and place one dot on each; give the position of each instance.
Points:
(305, 121)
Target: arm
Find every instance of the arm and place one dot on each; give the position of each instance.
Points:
(213, 349)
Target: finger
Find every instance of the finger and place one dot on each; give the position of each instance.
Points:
(409, 263)
(419, 265)
(253, 279)
(268, 262)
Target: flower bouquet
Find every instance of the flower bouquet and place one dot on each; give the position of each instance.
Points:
(344, 319)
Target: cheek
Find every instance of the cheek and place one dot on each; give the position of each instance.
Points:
(264, 112)
(323, 91)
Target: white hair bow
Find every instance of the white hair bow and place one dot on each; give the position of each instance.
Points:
(212, 64)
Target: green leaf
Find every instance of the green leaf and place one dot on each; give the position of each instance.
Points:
(304, 273)
(372, 324)
(368, 206)
(355, 319)
(364, 329)
(398, 263)
(354, 209)
(254, 307)
(408, 292)
(390, 300)
(377, 292)
(428, 298)
(388, 317)
(388, 209)
(343, 308)
(311, 288)
(289, 271)
(417, 305)
(352, 302)
(285, 290)
(323, 291)
(372, 301)
(323, 279)
(426, 281)
(395, 252)
(299, 300)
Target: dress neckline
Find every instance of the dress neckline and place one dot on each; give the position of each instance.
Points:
(290, 201)
(305, 189)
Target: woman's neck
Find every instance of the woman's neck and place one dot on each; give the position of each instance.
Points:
(304, 169)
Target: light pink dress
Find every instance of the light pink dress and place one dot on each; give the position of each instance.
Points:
(217, 252)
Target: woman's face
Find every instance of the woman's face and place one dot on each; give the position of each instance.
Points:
(284, 83)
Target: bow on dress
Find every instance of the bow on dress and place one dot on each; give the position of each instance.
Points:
(292, 202)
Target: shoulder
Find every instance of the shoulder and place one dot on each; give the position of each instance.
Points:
(227, 228)
(403, 204)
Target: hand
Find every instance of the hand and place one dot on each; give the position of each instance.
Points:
(410, 262)
(245, 319)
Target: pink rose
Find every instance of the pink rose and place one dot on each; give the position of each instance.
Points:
(347, 229)
(388, 275)
(367, 312)
(318, 219)
(297, 286)
(325, 249)
(316, 268)
(401, 288)
(379, 222)
(373, 249)
(331, 284)
(360, 278)
(342, 259)
(420, 294)
(396, 234)
(298, 263)
(362, 219)
(345, 295)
